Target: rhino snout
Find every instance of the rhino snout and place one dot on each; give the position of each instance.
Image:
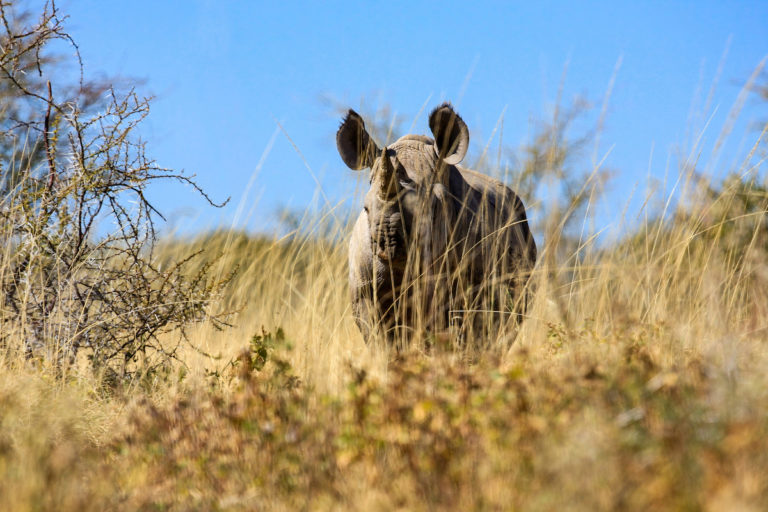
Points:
(389, 242)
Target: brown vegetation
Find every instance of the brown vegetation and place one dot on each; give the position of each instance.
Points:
(637, 381)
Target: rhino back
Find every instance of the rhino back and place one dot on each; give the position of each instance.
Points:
(489, 206)
(486, 188)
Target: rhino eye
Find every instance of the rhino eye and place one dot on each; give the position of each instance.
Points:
(365, 208)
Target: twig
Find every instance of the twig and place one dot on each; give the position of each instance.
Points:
(46, 135)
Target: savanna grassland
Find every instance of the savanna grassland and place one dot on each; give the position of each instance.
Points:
(637, 382)
(224, 371)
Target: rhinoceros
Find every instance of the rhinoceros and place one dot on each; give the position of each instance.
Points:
(438, 248)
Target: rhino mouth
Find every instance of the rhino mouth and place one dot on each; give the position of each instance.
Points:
(390, 245)
(388, 240)
(390, 248)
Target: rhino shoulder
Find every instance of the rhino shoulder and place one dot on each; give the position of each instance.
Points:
(492, 190)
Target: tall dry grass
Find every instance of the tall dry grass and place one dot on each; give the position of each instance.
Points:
(637, 381)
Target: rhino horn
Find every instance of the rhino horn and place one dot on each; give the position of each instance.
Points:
(389, 184)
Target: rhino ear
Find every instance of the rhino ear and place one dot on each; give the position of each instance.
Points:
(451, 134)
(355, 146)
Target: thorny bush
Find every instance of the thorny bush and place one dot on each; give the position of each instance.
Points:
(77, 273)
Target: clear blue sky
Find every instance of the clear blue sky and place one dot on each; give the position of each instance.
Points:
(225, 73)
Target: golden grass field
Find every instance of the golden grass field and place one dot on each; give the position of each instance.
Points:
(639, 381)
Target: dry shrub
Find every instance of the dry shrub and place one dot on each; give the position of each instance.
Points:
(77, 273)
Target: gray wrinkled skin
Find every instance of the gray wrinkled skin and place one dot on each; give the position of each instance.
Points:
(438, 248)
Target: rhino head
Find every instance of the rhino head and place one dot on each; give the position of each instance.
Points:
(408, 206)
